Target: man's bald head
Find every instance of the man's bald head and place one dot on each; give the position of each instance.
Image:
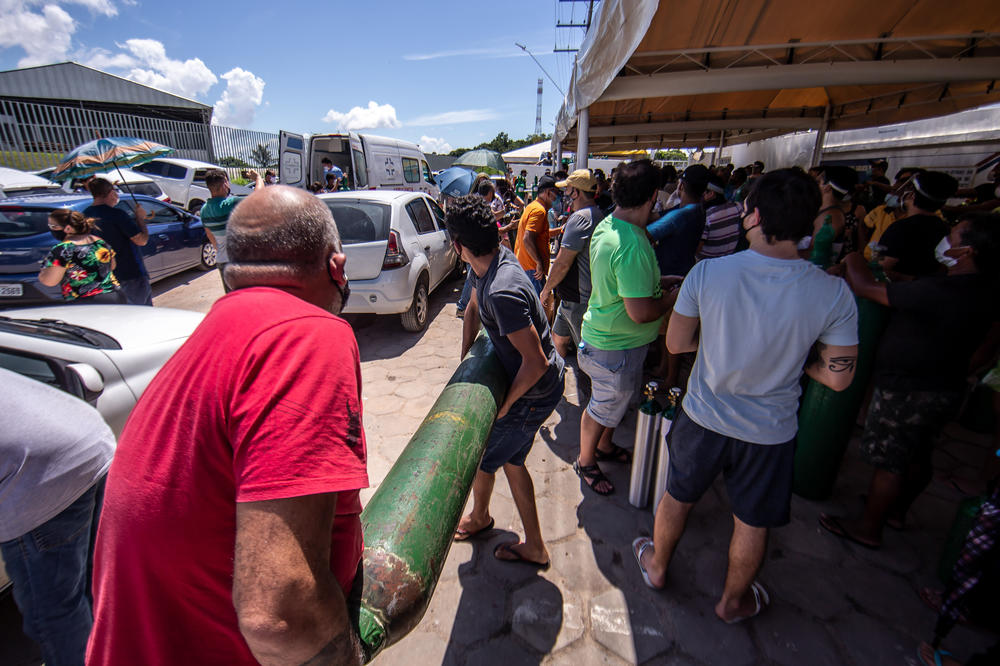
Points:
(279, 231)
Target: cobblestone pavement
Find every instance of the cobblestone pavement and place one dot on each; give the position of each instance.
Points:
(832, 602)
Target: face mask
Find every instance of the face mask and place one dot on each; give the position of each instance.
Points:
(892, 201)
(939, 253)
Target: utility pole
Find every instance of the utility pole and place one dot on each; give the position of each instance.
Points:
(538, 111)
(585, 25)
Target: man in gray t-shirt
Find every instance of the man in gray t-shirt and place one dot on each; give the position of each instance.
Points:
(55, 450)
(505, 301)
(753, 318)
(569, 276)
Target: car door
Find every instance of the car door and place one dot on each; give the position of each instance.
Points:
(431, 239)
(175, 245)
(450, 256)
(292, 159)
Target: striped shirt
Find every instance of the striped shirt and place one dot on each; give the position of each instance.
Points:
(722, 230)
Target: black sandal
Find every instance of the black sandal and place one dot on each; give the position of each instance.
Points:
(591, 475)
(616, 454)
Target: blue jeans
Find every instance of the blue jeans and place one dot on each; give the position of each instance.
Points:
(512, 436)
(51, 568)
(535, 282)
(463, 300)
(138, 291)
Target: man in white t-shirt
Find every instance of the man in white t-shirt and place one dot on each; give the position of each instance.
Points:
(754, 318)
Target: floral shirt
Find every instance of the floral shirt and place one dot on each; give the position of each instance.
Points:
(88, 268)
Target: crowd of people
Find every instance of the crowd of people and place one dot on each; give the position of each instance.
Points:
(231, 505)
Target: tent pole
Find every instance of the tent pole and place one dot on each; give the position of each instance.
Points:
(558, 160)
(717, 160)
(582, 138)
(817, 154)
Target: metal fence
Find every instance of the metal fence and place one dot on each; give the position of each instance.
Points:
(35, 136)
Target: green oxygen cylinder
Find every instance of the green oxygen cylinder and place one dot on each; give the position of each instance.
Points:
(410, 521)
(822, 253)
(827, 417)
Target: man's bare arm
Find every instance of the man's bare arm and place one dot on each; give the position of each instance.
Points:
(645, 310)
(833, 365)
(470, 322)
(682, 333)
(533, 365)
(290, 607)
(862, 282)
(530, 238)
(561, 265)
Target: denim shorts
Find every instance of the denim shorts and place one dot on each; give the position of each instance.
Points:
(512, 436)
(614, 377)
(758, 476)
(569, 320)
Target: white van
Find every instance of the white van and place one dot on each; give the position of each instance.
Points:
(369, 162)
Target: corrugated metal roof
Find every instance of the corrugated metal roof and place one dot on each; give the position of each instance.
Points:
(70, 80)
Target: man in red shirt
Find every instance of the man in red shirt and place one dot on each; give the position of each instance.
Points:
(230, 532)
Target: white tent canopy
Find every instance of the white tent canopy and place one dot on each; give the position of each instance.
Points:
(527, 154)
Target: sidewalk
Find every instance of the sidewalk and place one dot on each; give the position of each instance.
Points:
(832, 602)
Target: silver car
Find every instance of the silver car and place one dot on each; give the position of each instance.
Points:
(398, 251)
(105, 354)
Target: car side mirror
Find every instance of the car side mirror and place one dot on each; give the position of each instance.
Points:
(89, 379)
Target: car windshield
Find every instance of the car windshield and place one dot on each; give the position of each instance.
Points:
(360, 221)
(54, 329)
(16, 222)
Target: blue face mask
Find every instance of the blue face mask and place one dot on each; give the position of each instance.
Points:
(892, 201)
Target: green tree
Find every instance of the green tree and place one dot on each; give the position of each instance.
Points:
(673, 154)
(262, 156)
(234, 163)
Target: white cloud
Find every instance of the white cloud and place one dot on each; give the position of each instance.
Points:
(243, 94)
(103, 59)
(45, 36)
(188, 78)
(454, 54)
(43, 28)
(454, 117)
(359, 118)
(434, 145)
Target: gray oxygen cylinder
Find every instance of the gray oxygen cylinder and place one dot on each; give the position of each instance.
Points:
(666, 419)
(646, 425)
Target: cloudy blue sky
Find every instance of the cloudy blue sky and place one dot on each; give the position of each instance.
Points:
(442, 74)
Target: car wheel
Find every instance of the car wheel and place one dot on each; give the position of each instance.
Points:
(195, 206)
(208, 256)
(415, 319)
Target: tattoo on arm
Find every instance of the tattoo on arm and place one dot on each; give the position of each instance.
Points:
(842, 363)
(344, 648)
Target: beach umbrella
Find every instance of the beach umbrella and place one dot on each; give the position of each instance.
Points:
(481, 159)
(100, 155)
(455, 181)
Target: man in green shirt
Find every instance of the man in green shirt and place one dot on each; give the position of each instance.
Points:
(215, 213)
(626, 309)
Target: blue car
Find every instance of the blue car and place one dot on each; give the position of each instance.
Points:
(177, 242)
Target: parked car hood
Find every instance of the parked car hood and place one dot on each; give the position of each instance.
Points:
(131, 325)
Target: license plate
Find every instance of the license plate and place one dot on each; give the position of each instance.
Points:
(11, 290)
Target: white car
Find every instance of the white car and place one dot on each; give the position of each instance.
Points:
(135, 183)
(184, 180)
(398, 251)
(14, 183)
(104, 354)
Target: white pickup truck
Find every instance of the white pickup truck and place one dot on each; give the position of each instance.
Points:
(184, 180)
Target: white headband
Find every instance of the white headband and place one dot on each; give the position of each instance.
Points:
(715, 188)
(916, 186)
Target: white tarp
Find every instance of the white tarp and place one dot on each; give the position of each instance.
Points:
(613, 37)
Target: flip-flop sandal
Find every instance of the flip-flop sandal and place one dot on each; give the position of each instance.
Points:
(761, 601)
(591, 476)
(617, 454)
(516, 557)
(937, 656)
(933, 599)
(639, 547)
(465, 535)
(832, 525)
